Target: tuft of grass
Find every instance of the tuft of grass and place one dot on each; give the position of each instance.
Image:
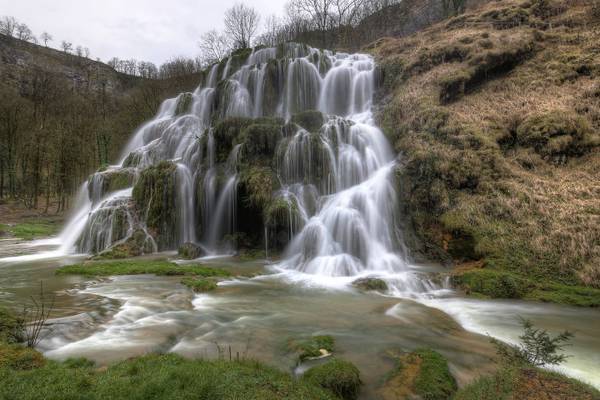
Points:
(199, 285)
(340, 377)
(157, 377)
(18, 357)
(139, 267)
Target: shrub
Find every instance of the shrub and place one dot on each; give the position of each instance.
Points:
(339, 376)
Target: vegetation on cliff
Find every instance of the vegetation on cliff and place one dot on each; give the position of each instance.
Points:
(496, 115)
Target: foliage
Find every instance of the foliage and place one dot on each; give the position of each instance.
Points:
(434, 381)
(157, 377)
(341, 377)
(139, 267)
(537, 347)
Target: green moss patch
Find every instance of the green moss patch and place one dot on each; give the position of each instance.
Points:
(312, 347)
(17, 357)
(340, 377)
(199, 285)
(370, 284)
(31, 229)
(139, 267)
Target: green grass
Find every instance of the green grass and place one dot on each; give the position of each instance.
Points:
(199, 285)
(138, 267)
(162, 377)
(434, 381)
(32, 229)
(492, 283)
(341, 377)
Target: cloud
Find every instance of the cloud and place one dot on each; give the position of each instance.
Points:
(152, 30)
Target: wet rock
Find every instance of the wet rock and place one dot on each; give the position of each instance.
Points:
(370, 284)
(190, 251)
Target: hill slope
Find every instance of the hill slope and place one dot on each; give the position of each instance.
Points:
(497, 115)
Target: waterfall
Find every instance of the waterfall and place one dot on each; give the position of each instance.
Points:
(333, 200)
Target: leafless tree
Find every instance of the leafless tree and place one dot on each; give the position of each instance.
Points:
(79, 51)
(214, 46)
(272, 32)
(8, 25)
(46, 37)
(66, 46)
(23, 32)
(241, 24)
(86, 52)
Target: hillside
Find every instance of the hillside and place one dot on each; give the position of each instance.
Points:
(63, 116)
(496, 115)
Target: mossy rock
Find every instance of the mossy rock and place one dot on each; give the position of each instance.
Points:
(199, 285)
(155, 196)
(315, 346)
(370, 284)
(138, 244)
(184, 104)
(260, 142)
(111, 180)
(310, 120)
(340, 377)
(257, 186)
(281, 216)
(423, 373)
(190, 251)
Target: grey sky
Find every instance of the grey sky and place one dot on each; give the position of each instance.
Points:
(151, 30)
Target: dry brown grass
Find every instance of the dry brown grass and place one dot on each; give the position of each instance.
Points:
(522, 209)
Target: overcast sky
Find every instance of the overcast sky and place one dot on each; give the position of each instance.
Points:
(150, 30)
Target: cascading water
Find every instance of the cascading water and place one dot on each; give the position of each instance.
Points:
(335, 182)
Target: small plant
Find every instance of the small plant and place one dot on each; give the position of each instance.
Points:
(537, 347)
(36, 317)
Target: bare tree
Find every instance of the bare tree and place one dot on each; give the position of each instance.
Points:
(66, 46)
(214, 46)
(46, 37)
(79, 51)
(241, 24)
(8, 25)
(316, 11)
(86, 52)
(23, 32)
(272, 32)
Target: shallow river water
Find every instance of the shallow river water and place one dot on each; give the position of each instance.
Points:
(120, 317)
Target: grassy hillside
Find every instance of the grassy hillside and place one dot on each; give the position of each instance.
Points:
(496, 113)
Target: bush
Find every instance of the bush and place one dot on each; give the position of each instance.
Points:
(340, 377)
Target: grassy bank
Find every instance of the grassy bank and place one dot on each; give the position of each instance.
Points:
(138, 267)
(31, 228)
(154, 377)
(499, 284)
(526, 383)
(497, 116)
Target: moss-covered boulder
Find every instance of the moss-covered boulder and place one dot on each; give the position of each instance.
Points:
(199, 285)
(137, 244)
(260, 142)
(370, 284)
(310, 120)
(190, 251)
(313, 347)
(184, 104)
(422, 373)
(339, 376)
(154, 195)
(556, 135)
(108, 181)
(492, 283)
(282, 219)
